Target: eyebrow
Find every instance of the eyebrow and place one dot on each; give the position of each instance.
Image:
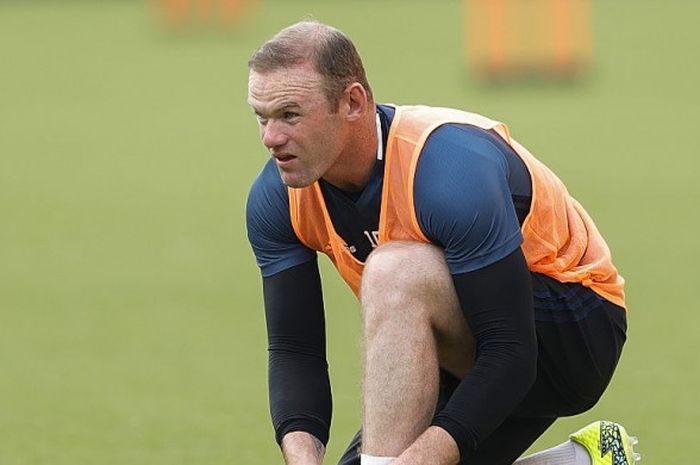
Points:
(280, 109)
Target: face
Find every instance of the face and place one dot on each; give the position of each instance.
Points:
(296, 124)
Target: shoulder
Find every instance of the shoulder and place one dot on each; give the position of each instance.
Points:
(267, 190)
(466, 143)
(461, 163)
(462, 197)
(270, 231)
(267, 210)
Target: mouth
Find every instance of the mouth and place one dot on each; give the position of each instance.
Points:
(283, 158)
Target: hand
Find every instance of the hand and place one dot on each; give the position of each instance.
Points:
(301, 448)
(435, 447)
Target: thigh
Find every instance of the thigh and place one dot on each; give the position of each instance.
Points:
(580, 338)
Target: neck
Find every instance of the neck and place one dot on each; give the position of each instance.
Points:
(354, 167)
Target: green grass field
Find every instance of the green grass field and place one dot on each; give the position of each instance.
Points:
(131, 327)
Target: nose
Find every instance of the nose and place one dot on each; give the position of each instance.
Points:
(273, 135)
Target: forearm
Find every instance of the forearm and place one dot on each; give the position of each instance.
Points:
(301, 448)
(300, 394)
(497, 302)
(488, 394)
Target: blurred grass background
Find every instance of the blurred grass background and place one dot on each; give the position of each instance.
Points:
(131, 326)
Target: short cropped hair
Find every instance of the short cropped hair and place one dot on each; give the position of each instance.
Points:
(332, 53)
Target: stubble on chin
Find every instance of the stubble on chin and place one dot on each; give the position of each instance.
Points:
(292, 181)
(297, 180)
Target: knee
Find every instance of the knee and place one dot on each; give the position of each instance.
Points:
(399, 277)
(406, 267)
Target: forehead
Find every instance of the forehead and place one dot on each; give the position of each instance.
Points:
(298, 85)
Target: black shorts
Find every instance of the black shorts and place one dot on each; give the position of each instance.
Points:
(580, 337)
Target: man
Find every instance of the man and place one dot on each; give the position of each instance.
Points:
(490, 305)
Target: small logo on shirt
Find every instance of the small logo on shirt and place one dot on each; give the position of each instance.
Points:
(373, 238)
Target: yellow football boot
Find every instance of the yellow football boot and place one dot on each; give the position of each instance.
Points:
(608, 443)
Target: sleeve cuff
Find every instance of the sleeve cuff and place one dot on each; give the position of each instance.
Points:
(466, 443)
(312, 426)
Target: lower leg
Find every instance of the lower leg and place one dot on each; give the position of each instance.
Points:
(400, 377)
(412, 324)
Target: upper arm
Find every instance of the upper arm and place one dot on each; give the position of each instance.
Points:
(294, 311)
(275, 245)
(463, 200)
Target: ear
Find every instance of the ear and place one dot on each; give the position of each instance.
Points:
(355, 97)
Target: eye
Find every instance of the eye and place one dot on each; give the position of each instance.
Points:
(262, 120)
(290, 115)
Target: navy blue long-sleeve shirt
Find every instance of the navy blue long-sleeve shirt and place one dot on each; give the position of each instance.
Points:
(472, 192)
